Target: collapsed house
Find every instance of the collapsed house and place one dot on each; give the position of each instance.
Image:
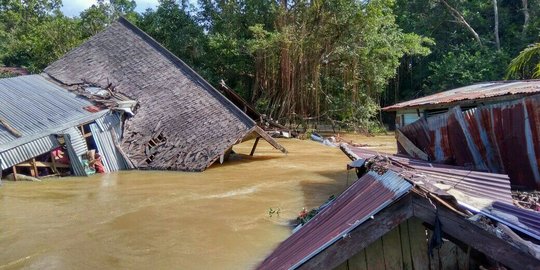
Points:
(492, 127)
(38, 116)
(145, 108)
(410, 214)
(181, 122)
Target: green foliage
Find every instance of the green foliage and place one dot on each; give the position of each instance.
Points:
(527, 64)
(457, 59)
(35, 33)
(173, 26)
(300, 59)
(462, 67)
(98, 16)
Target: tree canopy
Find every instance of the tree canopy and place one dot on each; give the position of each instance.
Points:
(335, 61)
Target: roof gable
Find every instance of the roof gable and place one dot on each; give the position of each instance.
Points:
(182, 122)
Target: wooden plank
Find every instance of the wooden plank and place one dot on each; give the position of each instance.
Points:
(479, 239)
(375, 255)
(405, 246)
(9, 128)
(409, 146)
(343, 266)
(463, 258)
(358, 261)
(392, 250)
(434, 261)
(254, 146)
(362, 236)
(448, 256)
(418, 244)
(41, 164)
(269, 139)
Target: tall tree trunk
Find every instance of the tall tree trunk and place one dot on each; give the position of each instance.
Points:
(526, 16)
(460, 19)
(496, 28)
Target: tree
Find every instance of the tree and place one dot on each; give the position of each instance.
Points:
(95, 18)
(329, 59)
(527, 64)
(35, 33)
(172, 25)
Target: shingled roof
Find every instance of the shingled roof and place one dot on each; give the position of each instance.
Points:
(181, 121)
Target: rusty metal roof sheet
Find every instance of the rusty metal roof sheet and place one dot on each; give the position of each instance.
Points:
(500, 138)
(478, 92)
(492, 186)
(363, 199)
(528, 220)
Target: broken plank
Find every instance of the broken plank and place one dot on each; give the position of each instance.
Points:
(269, 139)
(409, 146)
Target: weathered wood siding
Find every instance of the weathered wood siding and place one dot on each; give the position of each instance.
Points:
(406, 247)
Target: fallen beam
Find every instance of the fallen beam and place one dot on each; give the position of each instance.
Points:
(269, 139)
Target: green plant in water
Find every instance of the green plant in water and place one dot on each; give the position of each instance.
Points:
(272, 211)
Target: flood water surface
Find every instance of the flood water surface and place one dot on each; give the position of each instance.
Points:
(218, 219)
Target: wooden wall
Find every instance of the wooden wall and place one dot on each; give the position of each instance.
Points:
(406, 247)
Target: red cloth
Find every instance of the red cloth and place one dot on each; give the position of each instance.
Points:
(99, 166)
(60, 156)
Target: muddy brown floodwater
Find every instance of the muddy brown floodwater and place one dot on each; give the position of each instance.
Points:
(218, 219)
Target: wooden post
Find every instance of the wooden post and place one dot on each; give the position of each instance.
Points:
(14, 173)
(53, 162)
(34, 168)
(254, 146)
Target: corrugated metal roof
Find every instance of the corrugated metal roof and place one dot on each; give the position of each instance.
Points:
(101, 130)
(78, 142)
(27, 151)
(75, 160)
(499, 138)
(527, 219)
(472, 92)
(363, 199)
(36, 107)
(492, 186)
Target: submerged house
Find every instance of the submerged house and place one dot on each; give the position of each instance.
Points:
(125, 96)
(38, 116)
(492, 127)
(410, 214)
